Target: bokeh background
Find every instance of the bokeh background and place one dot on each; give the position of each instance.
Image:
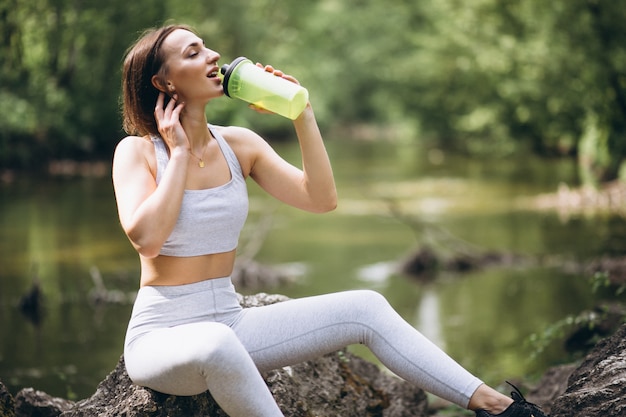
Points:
(447, 122)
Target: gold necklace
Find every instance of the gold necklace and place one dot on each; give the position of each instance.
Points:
(200, 160)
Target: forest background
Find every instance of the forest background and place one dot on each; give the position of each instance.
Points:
(491, 77)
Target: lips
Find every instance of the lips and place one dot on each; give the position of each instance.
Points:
(213, 73)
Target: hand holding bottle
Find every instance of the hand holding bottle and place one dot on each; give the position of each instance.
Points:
(264, 87)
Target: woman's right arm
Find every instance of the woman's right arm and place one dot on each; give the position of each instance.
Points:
(149, 213)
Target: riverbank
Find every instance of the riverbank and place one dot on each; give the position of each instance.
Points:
(567, 201)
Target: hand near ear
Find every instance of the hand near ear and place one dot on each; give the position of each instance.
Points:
(167, 116)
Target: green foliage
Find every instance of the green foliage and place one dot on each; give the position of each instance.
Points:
(589, 319)
(558, 331)
(60, 79)
(484, 76)
(601, 281)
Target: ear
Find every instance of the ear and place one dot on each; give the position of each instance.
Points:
(160, 85)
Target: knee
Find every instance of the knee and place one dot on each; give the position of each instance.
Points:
(371, 298)
(367, 302)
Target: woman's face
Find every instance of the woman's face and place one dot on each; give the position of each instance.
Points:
(191, 68)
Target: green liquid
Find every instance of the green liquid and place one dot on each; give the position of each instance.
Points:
(261, 94)
(290, 109)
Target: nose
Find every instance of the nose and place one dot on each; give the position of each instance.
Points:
(212, 56)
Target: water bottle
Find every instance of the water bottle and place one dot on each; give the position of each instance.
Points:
(245, 81)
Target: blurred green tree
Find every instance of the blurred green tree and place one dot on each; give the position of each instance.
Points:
(481, 76)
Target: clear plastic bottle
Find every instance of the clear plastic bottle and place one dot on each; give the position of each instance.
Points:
(245, 81)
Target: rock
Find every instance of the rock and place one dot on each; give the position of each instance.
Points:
(597, 388)
(424, 263)
(341, 384)
(552, 385)
(338, 384)
(31, 403)
(7, 402)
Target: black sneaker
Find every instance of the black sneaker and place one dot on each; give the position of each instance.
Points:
(519, 408)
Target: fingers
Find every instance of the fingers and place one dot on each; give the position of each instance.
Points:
(173, 107)
(277, 72)
(158, 110)
(168, 119)
(259, 109)
(271, 69)
(179, 108)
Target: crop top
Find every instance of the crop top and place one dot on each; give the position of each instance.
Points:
(210, 220)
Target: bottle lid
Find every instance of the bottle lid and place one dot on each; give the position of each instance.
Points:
(227, 70)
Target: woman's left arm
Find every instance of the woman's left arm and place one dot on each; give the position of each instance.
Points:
(317, 173)
(311, 188)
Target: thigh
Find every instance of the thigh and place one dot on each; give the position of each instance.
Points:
(176, 360)
(301, 329)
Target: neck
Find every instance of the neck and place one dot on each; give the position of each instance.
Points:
(195, 124)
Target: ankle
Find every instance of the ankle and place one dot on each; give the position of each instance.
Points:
(490, 400)
(498, 405)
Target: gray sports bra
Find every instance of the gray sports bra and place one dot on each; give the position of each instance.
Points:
(210, 220)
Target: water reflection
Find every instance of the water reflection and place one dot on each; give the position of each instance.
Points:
(69, 228)
(428, 317)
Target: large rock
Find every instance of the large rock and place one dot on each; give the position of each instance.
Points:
(338, 384)
(597, 388)
(552, 385)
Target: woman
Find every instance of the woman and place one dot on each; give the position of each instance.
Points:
(182, 201)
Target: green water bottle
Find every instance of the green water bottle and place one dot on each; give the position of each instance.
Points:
(246, 81)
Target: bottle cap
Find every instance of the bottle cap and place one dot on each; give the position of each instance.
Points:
(227, 70)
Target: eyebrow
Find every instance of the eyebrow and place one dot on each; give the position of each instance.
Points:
(194, 44)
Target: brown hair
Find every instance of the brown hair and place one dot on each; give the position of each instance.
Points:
(143, 60)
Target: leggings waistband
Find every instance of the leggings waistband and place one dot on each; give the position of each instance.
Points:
(173, 290)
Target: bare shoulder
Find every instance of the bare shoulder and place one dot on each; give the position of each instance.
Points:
(134, 143)
(133, 152)
(236, 135)
(245, 143)
(134, 148)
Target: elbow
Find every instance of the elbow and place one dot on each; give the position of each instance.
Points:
(327, 209)
(148, 252)
(327, 205)
(147, 248)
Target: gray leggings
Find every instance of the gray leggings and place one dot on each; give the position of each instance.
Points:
(183, 340)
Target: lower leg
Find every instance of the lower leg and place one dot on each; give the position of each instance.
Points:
(297, 330)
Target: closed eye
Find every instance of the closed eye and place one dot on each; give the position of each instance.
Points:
(194, 48)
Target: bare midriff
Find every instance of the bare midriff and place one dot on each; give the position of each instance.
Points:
(173, 270)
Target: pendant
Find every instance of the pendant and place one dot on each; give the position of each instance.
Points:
(201, 164)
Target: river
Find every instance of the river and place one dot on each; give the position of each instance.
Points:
(65, 232)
